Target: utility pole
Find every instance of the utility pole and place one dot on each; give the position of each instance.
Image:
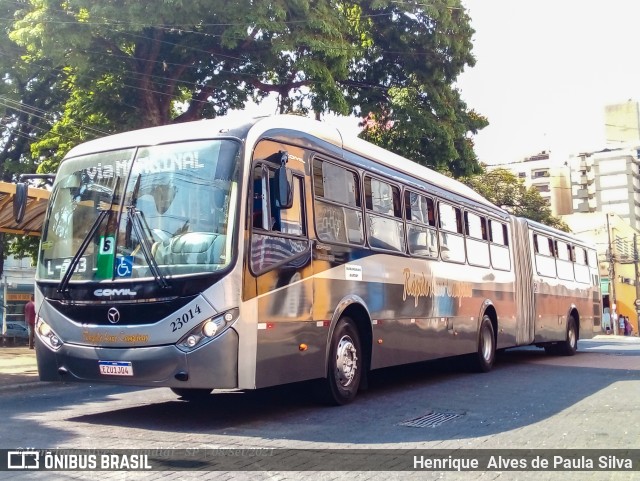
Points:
(612, 281)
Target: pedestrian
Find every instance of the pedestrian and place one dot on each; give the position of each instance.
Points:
(628, 328)
(606, 321)
(30, 317)
(621, 325)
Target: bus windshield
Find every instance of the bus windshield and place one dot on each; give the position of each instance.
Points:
(153, 211)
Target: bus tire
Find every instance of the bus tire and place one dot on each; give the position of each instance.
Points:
(482, 360)
(191, 394)
(344, 366)
(570, 344)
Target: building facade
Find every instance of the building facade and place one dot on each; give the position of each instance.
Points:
(617, 244)
(622, 123)
(550, 176)
(608, 181)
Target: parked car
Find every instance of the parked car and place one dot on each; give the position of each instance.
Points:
(16, 332)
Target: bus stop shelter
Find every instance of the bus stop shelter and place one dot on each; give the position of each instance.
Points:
(31, 224)
(32, 221)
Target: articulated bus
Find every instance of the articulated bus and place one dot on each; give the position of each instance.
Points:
(240, 255)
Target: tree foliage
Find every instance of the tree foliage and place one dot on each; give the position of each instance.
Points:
(506, 190)
(139, 63)
(30, 99)
(404, 83)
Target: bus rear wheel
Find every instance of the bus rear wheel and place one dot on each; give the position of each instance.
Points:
(482, 360)
(569, 346)
(191, 394)
(344, 369)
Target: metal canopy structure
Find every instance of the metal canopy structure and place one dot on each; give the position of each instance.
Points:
(32, 221)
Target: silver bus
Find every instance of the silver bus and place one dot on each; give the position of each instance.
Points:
(239, 255)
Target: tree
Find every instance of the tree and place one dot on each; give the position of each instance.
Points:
(29, 100)
(506, 190)
(139, 63)
(404, 83)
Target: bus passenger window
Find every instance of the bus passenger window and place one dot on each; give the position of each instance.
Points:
(381, 197)
(386, 230)
(450, 218)
(338, 216)
(477, 246)
(419, 208)
(498, 233)
(545, 256)
(420, 216)
(451, 239)
(475, 226)
(498, 246)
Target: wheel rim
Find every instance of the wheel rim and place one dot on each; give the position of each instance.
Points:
(346, 361)
(572, 336)
(487, 344)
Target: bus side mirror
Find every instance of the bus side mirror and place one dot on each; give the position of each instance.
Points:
(20, 201)
(22, 193)
(284, 187)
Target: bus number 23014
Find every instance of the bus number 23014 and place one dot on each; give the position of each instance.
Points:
(184, 319)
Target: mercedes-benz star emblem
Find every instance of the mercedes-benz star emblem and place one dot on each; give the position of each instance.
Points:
(113, 315)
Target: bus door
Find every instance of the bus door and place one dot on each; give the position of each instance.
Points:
(278, 268)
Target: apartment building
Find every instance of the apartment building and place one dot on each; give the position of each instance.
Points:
(549, 175)
(608, 181)
(622, 123)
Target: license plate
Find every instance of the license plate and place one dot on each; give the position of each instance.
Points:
(115, 368)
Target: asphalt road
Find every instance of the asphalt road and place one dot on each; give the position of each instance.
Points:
(529, 401)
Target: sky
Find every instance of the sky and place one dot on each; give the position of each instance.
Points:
(545, 70)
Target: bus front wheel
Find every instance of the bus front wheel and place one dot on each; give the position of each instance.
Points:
(344, 369)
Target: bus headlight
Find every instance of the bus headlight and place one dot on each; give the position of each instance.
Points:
(47, 335)
(207, 330)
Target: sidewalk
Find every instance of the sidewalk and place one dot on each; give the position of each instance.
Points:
(18, 368)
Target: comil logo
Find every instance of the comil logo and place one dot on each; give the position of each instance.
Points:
(23, 460)
(113, 292)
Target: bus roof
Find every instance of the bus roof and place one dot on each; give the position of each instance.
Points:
(567, 236)
(200, 129)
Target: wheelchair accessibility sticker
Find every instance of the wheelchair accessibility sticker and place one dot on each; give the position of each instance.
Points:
(124, 267)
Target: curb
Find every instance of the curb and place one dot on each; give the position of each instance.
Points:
(26, 386)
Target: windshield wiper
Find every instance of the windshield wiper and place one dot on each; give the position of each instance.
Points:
(138, 222)
(105, 210)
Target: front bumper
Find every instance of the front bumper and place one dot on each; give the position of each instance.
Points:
(212, 366)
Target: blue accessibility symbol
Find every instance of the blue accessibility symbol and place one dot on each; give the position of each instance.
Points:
(125, 266)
